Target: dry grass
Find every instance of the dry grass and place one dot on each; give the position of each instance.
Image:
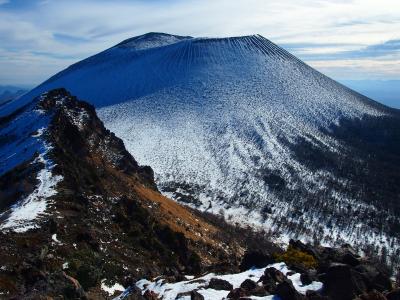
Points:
(178, 217)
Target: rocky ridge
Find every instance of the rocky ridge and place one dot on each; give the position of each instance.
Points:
(105, 231)
(106, 222)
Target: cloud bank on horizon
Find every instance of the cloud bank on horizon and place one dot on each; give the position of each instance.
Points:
(345, 39)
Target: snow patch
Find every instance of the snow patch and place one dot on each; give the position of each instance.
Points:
(111, 289)
(170, 291)
(54, 238)
(24, 214)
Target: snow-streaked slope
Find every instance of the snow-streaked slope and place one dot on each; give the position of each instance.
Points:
(218, 119)
(24, 214)
(22, 141)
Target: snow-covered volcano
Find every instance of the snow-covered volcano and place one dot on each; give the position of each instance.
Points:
(240, 124)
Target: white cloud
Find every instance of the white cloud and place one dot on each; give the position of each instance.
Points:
(360, 68)
(95, 25)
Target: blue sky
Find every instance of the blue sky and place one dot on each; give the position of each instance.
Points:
(345, 39)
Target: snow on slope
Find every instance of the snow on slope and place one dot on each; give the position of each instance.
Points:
(23, 215)
(23, 140)
(215, 117)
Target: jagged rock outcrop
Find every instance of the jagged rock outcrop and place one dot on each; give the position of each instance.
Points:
(104, 222)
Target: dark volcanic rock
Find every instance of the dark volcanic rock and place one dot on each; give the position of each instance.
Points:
(305, 278)
(350, 259)
(255, 259)
(393, 295)
(194, 295)
(286, 291)
(299, 245)
(271, 278)
(150, 295)
(237, 293)
(344, 274)
(344, 283)
(220, 284)
(312, 295)
(374, 295)
(57, 283)
(374, 277)
(260, 291)
(248, 285)
(274, 274)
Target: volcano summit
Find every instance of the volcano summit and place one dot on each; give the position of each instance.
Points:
(242, 127)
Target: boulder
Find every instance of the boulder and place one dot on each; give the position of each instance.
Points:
(248, 285)
(274, 274)
(237, 293)
(374, 295)
(269, 286)
(375, 277)
(313, 295)
(393, 295)
(255, 259)
(220, 284)
(286, 291)
(305, 278)
(260, 291)
(271, 278)
(150, 295)
(342, 282)
(297, 267)
(307, 248)
(194, 295)
(349, 258)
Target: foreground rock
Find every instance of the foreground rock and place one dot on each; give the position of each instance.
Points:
(220, 284)
(345, 275)
(358, 279)
(96, 222)
(244, 285)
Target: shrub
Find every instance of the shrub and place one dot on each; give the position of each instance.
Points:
(294, 256)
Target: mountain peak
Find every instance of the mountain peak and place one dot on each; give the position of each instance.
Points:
(241, 125)
(151, 40)
(255, 42)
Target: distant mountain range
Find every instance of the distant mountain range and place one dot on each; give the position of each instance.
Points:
(9, 93)
(240, 127)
